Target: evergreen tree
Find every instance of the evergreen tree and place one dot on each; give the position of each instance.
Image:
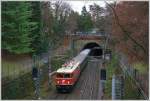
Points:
(36, 34)
(85, 21)
(84, 11)
(16, 27)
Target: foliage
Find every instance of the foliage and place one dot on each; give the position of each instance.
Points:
(130, 31)
(36, 34)
(58, 61)
(72, 22)
(97, 14)
(17, 89)
(16, 27)
(61, 11)
(55, 17)
(141, 67)
(131, 92)
(85, 21)
(22, 30)
(133, 39)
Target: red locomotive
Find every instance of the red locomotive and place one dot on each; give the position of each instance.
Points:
(68, 74)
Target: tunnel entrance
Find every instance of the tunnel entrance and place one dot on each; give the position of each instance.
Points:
(96, 50)
(90, 45)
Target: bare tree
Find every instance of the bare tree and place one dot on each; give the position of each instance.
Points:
(124, 30)
(72, 22)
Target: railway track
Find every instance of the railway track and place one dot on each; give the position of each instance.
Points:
(61, 96)
(85, 83)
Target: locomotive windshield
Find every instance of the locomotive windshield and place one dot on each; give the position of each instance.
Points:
(64, 75)
(59, 75)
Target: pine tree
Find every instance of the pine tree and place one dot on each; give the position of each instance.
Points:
(85, 21)
(16, 27)
(36, 34)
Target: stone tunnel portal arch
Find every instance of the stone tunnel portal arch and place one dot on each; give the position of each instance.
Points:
(96, 49)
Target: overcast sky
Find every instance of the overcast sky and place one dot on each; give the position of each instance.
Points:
(77, 5)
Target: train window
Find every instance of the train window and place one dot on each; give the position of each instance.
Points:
(66, 75)
(59, 75)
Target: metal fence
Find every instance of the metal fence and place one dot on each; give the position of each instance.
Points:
(23, 85)
(117, 87)
(14, 71)
(134, 74)
(17, 81)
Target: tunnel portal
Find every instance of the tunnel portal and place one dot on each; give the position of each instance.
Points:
(96, 49)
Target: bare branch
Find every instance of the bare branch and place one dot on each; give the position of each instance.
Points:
(124, 30)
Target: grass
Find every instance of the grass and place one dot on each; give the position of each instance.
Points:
(131, 93)
(141, 67)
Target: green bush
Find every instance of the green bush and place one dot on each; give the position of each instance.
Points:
(18, 88)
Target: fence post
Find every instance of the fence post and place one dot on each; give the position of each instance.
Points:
(49, 66)
(122, 86)
(36, 76)
(117, 87)
(113, 88)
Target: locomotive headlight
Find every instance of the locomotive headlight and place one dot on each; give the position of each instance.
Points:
(63, 81)
(58, 82)
(68, 82)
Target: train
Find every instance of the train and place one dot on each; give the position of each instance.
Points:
(67, 76)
